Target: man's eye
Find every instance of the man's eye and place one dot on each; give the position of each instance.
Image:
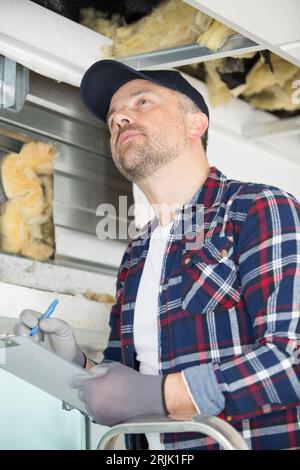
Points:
(143, 101)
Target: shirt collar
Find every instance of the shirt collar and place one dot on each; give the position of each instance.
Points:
(208, 195)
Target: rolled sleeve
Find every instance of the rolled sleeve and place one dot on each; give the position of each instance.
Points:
(204, 389)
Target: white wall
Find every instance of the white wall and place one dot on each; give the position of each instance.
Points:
(250, 160)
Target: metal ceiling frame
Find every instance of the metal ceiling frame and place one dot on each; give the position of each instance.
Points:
(47, 46)
(272, 24)
(189, 54)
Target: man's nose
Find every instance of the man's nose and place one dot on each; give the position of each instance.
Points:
(123, 117)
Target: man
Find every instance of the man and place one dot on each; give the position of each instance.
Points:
(211, 328)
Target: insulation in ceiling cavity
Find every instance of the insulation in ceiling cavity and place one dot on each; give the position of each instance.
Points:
(26, 224)
(171, 23)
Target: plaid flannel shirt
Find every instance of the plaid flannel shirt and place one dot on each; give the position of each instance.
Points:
(228, 313)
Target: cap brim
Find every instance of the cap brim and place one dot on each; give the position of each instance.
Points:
(101, 81)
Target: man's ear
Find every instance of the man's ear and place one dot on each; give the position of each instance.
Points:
(197, 125)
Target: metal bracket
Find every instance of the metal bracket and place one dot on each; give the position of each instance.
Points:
(14, 84)
(189, 54)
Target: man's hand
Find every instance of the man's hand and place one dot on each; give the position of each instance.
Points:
(119, 393)
(56, 334)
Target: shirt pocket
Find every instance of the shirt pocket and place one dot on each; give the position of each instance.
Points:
(210, 280)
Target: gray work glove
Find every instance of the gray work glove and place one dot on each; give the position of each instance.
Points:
(112, 393)
(56, 335)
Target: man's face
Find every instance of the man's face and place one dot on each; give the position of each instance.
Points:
(147, 128)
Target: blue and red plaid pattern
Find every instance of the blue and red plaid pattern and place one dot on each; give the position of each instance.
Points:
(233, 303)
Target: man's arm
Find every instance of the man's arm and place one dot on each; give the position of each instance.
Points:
(268, 376)
(178, 399)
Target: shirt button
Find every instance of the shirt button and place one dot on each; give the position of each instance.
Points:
(229, 418)
(223, 253)
(187, 260)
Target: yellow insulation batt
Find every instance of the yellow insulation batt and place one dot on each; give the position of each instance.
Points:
(172, 23)
(263, 88)
(26, 225)
(261, 76)
(278, 97)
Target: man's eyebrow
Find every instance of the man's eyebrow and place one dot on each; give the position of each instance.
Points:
(135, 93)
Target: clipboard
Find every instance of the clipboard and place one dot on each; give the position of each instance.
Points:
(37, 365)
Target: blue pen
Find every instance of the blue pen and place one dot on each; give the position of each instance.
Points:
(47, 314)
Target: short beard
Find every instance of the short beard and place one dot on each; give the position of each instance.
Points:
(151, 157)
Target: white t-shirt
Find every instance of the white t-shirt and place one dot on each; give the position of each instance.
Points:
(145, 329)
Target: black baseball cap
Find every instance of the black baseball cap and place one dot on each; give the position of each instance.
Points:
(105, 77)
